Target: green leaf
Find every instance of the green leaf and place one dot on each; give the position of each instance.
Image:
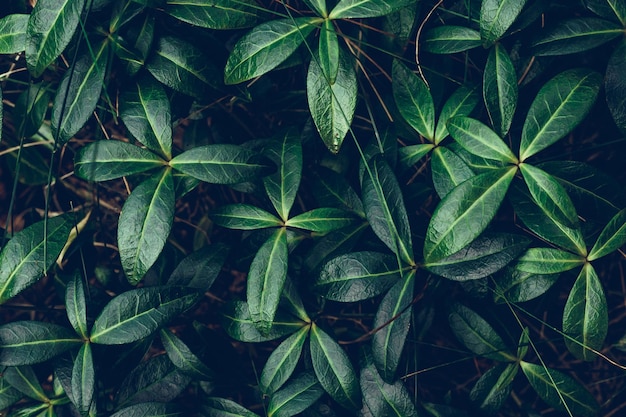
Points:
(30, 109)
(493, 388)
(410, 155)
(13, 33)
(610, 9)
(292, 301)
(134, 48)
(145, 223)
(322, 220)
(265, 47)
(244, 217)
(332, 105)
(549, 195)
(561, 104)
(523, 344)
(221, 407)
(51, 26)
(496, 17)
(183, 358)
(615, 85)
(138, 313)
(334, 243)
(392, 319)
(450, 39)
(334, 370)
(333, 190)
(8, 394)
(83, 380)
(30, 342)
(200, 269)
(612, 237)
(518, 286)
(449, 170)
(385, 209)
(152, 409)
(24, 379)
(266, 279)
(484, 256)
(414, 100)
(478, 139)
(76, 304)
(461, 103)
(109, 159)
(183, 67)
(465, 212)
(215, 14)
(145, 111)
(329, 51)
(560, 391)
(29, 254)
(477, 335)
(222, 164)
(357, 276)
(576, 35)
(548, 261)
(282, 362)
(355, 9)
(296, 396)
(238, 324)
(500, 89)
(585, 317)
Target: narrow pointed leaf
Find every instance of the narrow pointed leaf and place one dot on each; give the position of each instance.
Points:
(83, 380)
(414, 101)
(31, 108)
(244, 217)
(561, 104)
(13, 33)
(333, 190)
(329, 51)
(76, 305)
(585, 317)
(222, 407)
(449, 170)
(478, 139)
(353, 9)
(523, 344)
(200, 269)
(215, 14)
(548, 261)
(238, 324)
(8, 394)
(500, 89)
(138, 313)
(615, 85)
(183, 358)
(322, 220)
(51, 26)
(296, 396)
(292, 302)
(24, 379)
(461, 103)
(410, 155)
(334, 370)
(612, 237)
(450, 39)
(334, 243)
(610, 9)
(576, 35)
(517, 286)
(265, 47)
(493, 388)
(152, 409)
(282, 362)
(465, 212)
(496, 16)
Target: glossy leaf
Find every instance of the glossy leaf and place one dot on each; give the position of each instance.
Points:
(30, 342)
(83, 380)
(238, 324)
(296, 396)
(110, 159)
(13, 33)
(496, 17)
(412, 154)
(145, 110)
(329, 51)
(413, 99)
(559, 390)
(615, 85)
(450, 39)
(465, 212)
(50, 28)
(138, 313)
(244, 217)
(612, 237)
(493, 388)
(183, 358)
(222, 164)
(265, 47)
(334, 370)
(332, 105)
(461, 103)
(22, 261)
(200, 269)
(561, 104)
(322, 220)
(215, 14)
(448, 170)
(585, 317)
(500, 89)
(479, 139)
(76, 305)
(548, 261)
(354, 9)
(24, 379)
(282, 362)
(152, 409)
(576, 35)
(518, 286)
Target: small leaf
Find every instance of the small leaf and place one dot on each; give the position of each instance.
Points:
(31, 108)
(83, 380)
(334, 243)
(523, 344)
(152, 409)
(322, 220)
(8, 394)
(200, 269)
(615, 85)
(610, 9)
(576, 35)
(518, 286)
(449, 170)
(585, 317)
(461, 103)
(612, 237)
(354, 9)
(329, 51)
(334, 370)
(24, 379)
(244, 217)
(296, 396)
(412, 154)
(140, 38)
(238, 324)
(500, 89)
(183, 358)
(496, 16)
(548, 261)
(331, 189)
(479, 139)
(138, 313)
(282, 362)
(494, 387)
(414, 100)
(221, 407)
(13, 33)
(450, 39)
(215, 14)
(76, 305)
(30, 342)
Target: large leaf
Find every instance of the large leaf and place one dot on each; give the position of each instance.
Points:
(500, 89)
(200, 269)
(13, 33)
(332, 105)
(493, 387)
(329, 51)
(385, 209)
(392, 323)
(585, 318)
(296, 396)
(265, 47)
(334, 370)
(30, 342)
(145, 223)
(221, 407)
(414, 100)
(109, 159)
(152, 409)
(244, 217)
(615, 85)
(266, 279)
(450, 39)
(137, 313)
(76, 305)
(479, 139)
(353, 9)
(465, 212)
(461, 103)
(448, 170)
(51, 26)
(145, 110)
(24, 379)
(30, 253)
(576, 35)
(496, 16)
(215, 14)
(282, 186)
(322, 220)
(357, 276)
(282, 362)
(238, 324)
(548, 261)
(612, 237)
(560, 391)
(518, 286)
(183, 358)
(561, 104)
(83, 380)
(222, 164)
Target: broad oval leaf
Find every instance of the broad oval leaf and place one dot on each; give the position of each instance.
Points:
(282, 362)
(354, 9)
(576, 35)
(83, 380)
(322, 220)
(413, 100)
(585, 317)
(50, 28)
(612, 237)
(222, 407)
(215, 14)
(615, 85)
(76, 305)
(548, 261)
(449, 170)
(561, 104)
(183, 358)
(137, 313)
(13, 33)
(478, 139)
(296, 396)
(461, 103)
(265, 47)
(500, 89)
(493, 387)
(152, 409)
(200, 269)
(517, 286)
(244, 217)
(238, 324)
(496, 16)
(450, 39)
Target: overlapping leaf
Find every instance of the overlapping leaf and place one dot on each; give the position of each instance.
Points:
(76, 305)
(448, 170)
(496, 16)
(493, 388)
(215, 14)
(352, 9)
(576, 35)
(450, 39)
(200, 269)
(238, 324)
(282, 362)
(183, 358)
(414, 101)
(13, 33)
(479, 139)
(500, 89)
(322, 220)
(296, 396)
(461, 103)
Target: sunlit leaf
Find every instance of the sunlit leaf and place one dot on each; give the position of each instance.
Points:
(479, 139)
(612, 237)
(296, 396)
(13, 33)
(548, 261)
(448, 170)
(496, 16)
(450, 39)
(244, 217)
(576, 35)
(500, 89)
(215, 14)
(414, 101)
(461, 103)
(282, 362)
(322, 220)
(410, 155)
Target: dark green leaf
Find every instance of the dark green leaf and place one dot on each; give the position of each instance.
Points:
(523, 344)
(500, 89)
(414, 100)
(244, 217)
(296, 396)
(561, 104)
(494, 387)
(292, 301)
(83, 380)
(282, 362)
(13, 33)
(322, 220)
(353, 9)
(329, 51)
(151, 409)
(576, 35)
(139, 38)
(585, 317)
(221, 407)
(611, 9)
(332, 190)
(51, 26)
(548, 261)
(334, 370)
(517, 286)
(200, 269)
(30, 342)
(334, 243)
(215, 14)
(465, 212)
(183, 358)
(449, 39)
(496, 16)
(137, 313)
(410, 155)
(265, 47)
(76, 305)
(8, 394)
(461, 103)
(24, 379)
(238, 324)
(478, 139)
(615, 85)
(560, 391)
(612, 237)
(448, 170)
(31, 107)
